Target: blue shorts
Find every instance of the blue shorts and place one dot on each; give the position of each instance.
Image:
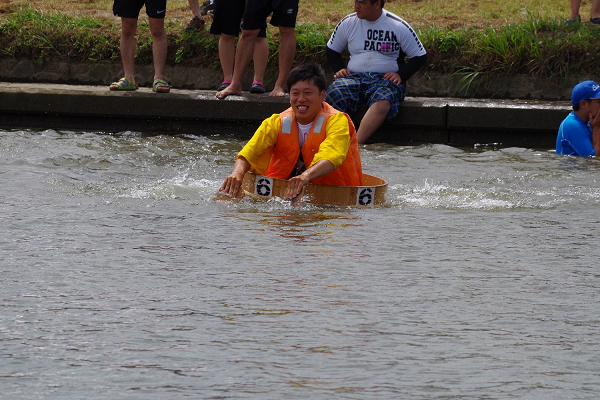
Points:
(131, 8)
(347, 94)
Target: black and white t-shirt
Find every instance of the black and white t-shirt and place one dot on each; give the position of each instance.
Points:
(374, 46)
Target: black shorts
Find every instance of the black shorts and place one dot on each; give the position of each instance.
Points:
(227, 18)
(131, 8)
(257, 11)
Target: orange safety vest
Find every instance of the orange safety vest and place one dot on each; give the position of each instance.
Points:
(287, 150)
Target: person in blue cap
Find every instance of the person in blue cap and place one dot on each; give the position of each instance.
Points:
(579, 133)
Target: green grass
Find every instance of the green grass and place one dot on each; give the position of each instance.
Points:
(536, 47)
(43, 36)
(533, 44)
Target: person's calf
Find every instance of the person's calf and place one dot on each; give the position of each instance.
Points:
(372, 120)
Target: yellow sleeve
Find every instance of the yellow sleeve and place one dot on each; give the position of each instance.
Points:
(337, 142)
(259, 149)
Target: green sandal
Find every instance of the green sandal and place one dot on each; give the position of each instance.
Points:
(161, 86)
(123, 84)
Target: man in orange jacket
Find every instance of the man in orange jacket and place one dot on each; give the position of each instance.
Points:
(309, 142)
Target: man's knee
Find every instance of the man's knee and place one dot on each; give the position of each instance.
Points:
(158, 35)
(287, 32)
(226, 39)
(128, 27)
(251, 34)
(381, 106)
(157, 28)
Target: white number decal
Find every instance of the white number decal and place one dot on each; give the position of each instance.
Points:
(365, 197)
(264, 186)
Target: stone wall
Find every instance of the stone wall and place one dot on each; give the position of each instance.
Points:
(104, 72)
(421, 84)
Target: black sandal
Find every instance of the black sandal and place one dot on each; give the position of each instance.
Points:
(224, 85)
(257, 87)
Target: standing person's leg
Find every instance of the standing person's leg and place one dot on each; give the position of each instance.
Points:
(227, 17)
(227, 56)
(287, 52)
(595, 13)
(255, 13)
(243, 56)
(156, 15)
(574, 10)
(260, 58)
(284, 17)
(159, 46)
(127, 46)
(128, 11)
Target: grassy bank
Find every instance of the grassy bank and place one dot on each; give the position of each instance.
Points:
(489, 40)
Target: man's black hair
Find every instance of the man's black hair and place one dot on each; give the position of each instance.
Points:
(375, 1)
(311, 72)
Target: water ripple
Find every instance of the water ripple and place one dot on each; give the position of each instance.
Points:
(122, 278)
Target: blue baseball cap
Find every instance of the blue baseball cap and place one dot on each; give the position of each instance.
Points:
(585, 90)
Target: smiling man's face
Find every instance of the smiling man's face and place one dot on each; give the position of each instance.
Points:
(306, 98)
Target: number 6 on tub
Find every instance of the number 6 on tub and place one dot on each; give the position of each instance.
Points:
(365, 196)
(264, 186)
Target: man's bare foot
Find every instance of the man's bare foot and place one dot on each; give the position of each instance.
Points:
(277, 92)
(228, 91)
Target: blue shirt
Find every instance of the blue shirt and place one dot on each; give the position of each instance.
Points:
(574, 137)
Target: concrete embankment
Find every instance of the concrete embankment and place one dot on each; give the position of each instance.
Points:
(421, 120)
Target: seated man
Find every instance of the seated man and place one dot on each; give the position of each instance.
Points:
(308, 142)
(377, 41)
(579, 133)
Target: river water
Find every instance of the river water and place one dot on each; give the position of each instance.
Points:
(123, 279)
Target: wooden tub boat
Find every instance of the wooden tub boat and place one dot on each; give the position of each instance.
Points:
(371, 194)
